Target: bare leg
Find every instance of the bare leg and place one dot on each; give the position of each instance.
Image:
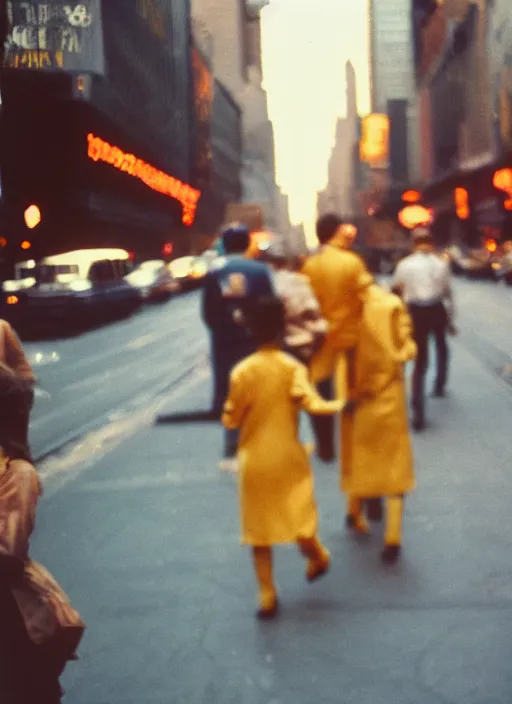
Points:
(262, 557)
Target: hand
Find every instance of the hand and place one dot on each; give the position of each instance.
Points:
(350, 406)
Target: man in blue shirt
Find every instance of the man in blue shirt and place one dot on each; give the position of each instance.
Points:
(234, 284)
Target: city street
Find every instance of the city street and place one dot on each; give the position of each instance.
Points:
(88, 380)
(145, 541)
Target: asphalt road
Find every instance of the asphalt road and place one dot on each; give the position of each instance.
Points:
(145, 542)
(94, 378)
(91, 379)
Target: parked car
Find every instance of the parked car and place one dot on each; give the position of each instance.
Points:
(504, 266)
(154, 281)
(75, 288)
(189, 271)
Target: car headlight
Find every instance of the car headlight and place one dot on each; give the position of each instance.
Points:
(79, 286)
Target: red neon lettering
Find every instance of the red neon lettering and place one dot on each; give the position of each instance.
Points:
(99, 150)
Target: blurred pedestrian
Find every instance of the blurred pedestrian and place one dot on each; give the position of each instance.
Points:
(39, 629)
(423, 279)
(229, 288)
(13, 356)
(305, 327)
(338, 278)
(377, 456)
(276, 486)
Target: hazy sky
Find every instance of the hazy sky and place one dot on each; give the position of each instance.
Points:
(305, 46)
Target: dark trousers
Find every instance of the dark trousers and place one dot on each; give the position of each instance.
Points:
(323, 426)
(427, 321)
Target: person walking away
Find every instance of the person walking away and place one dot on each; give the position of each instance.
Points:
(378, 461)
(305, 327)
(228, 289)
(338, 278)
(13, 356)
(276, 486)
(423, 279)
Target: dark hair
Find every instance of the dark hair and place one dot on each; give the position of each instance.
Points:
(15, 450)
(326, 227)
(236, 238)
(265, 319)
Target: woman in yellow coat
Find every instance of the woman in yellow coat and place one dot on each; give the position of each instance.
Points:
(276, 487)
(377, 459)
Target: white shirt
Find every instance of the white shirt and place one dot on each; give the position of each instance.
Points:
(424, 278)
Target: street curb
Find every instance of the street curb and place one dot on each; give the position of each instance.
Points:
(63, 442)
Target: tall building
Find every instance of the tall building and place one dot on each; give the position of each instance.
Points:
(98, 107)
(392, 77)
(234, 27)
(340, 193)
(463, 57)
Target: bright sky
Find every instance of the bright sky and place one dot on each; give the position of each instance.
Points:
(305, 46)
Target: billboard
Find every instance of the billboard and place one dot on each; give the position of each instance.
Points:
(203, 103)
(54, 36)
(374, 144)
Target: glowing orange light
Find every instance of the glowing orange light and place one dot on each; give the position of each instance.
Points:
(12, 300)
(26, 244)
(167, 249)
(99, 150)
(415, 215)
(491, 246)
(411, 196)
(461, 203)
(503, 182)
(3, 242)
(32, 216)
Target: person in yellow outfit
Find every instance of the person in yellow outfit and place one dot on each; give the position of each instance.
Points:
(377, 459)
(338, 278)
(276, 488)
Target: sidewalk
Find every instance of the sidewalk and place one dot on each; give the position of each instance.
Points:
(146, 544)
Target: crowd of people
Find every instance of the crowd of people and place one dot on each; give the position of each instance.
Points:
(328, 340)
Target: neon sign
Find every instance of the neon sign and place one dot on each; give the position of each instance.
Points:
(99, 150)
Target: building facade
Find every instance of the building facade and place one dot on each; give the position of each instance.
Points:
(99, 126)
(235, 31)
(392, 73)
(463, 54)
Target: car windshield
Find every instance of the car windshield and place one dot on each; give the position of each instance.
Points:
(51, 273)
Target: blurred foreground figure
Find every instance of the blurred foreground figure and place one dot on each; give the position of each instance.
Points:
(377, 458)
(338, 278)
(277, 502)
(13, 357)
(229, 289)
(424, 281)
(39, 631)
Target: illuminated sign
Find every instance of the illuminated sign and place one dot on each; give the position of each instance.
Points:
(462, 203)
(99, 150)
(503, 182)
(374, 144)
(414, 216)
(54, 36)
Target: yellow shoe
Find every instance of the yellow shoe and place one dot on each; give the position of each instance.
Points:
(317, 568)
(269, 605)
(358, 524)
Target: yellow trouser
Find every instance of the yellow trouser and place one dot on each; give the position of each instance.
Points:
(394, 517)
(336, 364)
(311, 548)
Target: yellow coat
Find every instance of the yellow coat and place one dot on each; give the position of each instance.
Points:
(377, 455)
(276, 487)
(338, 279)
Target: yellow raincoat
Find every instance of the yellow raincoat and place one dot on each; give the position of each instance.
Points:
(276, 487)
(338, 279)
(377, 455)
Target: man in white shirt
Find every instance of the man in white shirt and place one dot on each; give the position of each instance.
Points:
(423, 279)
